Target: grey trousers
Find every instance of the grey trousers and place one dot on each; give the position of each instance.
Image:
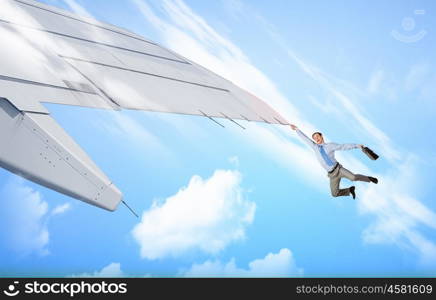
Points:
(335, 179)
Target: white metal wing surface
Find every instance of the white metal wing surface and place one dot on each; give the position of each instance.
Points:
(49, 55)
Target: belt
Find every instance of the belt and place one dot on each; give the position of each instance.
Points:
(334, 168)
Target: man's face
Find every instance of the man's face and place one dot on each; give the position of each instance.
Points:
(318, 138)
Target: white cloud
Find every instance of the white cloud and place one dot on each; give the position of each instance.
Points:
(24, 217)
(60, 209)
(355, 114)
(327, 106)
(421, 78)
(235, 8)
(281, 264)
(132, 132)
(399, 217)
(111, 270)
(208, 214)
(375, 81)
(78, 9)
(296, 157)
(234, 160)
(417, 75)
(383, 84)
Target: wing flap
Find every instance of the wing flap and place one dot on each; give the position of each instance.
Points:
(25, 94)
(38, 149)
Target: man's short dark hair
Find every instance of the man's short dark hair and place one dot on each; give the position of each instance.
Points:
(316, 133)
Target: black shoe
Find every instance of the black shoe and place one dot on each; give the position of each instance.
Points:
(352, 191)
(373, 179)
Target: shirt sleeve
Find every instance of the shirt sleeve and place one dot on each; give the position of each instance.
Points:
(305, 138)
(336, 147)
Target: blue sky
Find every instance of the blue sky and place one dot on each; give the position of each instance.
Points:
(228, 202)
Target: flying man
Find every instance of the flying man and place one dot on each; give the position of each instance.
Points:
(325, 153)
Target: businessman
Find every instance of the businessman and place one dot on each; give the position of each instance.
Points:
(325, 153)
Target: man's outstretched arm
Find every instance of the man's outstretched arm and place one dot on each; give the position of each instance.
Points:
(339, 147)
(303, 136)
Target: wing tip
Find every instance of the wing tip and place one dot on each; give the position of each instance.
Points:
(110, 198)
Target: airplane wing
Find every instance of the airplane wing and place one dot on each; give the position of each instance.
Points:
(50, 55)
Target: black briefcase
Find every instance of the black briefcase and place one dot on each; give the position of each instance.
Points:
(371, 154)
